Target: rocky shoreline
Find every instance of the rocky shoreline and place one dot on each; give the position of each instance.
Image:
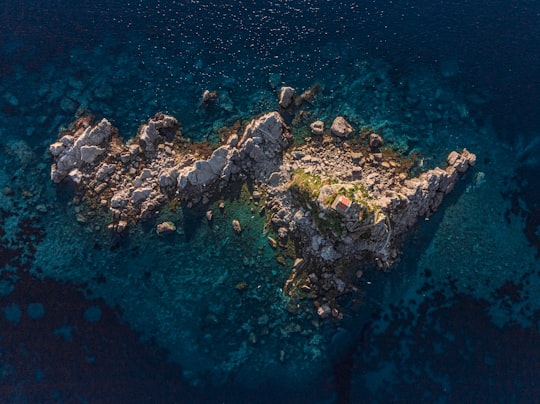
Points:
(340, 197)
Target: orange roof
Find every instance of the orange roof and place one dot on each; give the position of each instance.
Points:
(342, 203)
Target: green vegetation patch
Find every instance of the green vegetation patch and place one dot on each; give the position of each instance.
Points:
(305, 187)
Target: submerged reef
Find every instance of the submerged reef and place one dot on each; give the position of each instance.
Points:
(340, 196)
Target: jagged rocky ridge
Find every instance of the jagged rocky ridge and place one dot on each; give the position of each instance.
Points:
(338, 201)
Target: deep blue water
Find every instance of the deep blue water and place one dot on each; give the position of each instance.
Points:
(88, 317)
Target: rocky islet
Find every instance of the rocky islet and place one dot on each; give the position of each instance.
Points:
(338, 198)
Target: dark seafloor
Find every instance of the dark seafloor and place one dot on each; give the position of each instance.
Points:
(90, 317)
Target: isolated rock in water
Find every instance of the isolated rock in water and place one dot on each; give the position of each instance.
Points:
(381, 200)
(324, 311)
(236, 226)
(209, 96)
(165, 228)
(341, 128)
(286, 97)
(317, 128)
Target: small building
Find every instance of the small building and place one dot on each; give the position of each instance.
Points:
(341, 204)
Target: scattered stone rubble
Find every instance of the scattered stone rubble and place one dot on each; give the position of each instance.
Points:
(339, 201)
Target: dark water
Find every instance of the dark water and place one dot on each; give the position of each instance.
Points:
(87, 317)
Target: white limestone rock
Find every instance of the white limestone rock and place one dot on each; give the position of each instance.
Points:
(202, 174)
(268, 127)
(149, 137)
(218, 160)
(92, 139)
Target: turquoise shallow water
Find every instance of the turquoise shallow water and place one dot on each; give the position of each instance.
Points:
(91, 317)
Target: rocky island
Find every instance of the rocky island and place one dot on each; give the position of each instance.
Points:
(341, 196)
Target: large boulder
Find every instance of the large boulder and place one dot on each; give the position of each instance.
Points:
(162, 229)
(286, 97)
(202, 174)
(95, 135)
(461, 161)
(269, 127)
(341, 128)
(119, 200)
(141, 194)
(375, 140)
(161, 127)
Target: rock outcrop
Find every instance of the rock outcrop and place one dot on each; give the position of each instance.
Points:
(74, 151)
(336, 201)
(286, 97)
(161, 127)
(135, 180)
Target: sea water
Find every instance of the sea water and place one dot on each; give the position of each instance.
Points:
(199, 316)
